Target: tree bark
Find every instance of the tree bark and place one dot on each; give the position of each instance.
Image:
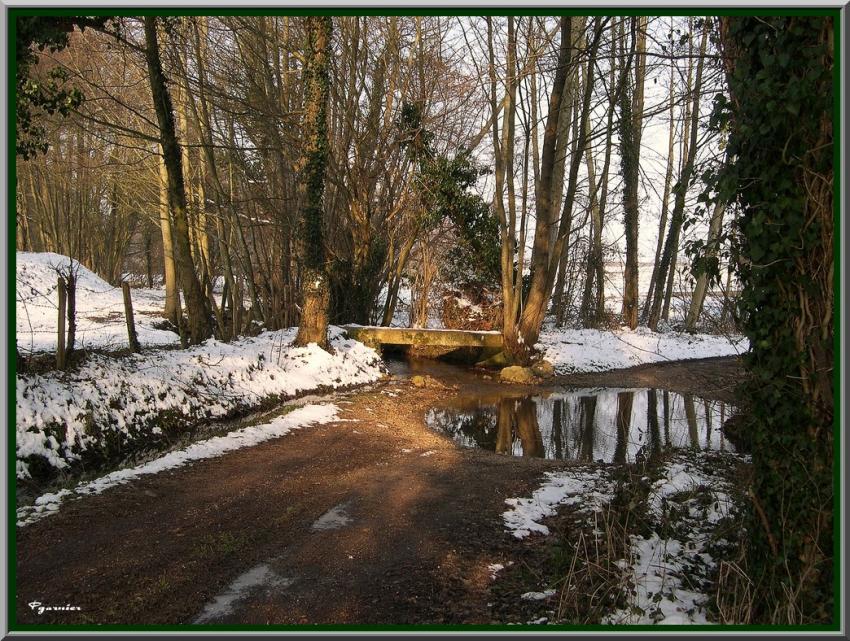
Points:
(541, 253)
(169, 268)
(315, 286)
(665, 200)
(631, 116)
(701, 286)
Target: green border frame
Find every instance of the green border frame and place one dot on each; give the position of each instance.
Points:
(14, 12)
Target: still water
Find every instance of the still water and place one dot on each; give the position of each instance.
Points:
(589, 425)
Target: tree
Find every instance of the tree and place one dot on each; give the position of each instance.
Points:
(47, 96)
(780, 174)
(666, 266)
(197, 309)
(315, 287)
(631, 115)
(665, 197)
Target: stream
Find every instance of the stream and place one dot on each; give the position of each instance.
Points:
(587, 425)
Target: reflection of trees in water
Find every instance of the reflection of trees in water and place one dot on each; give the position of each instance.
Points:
(505, 422)
(625, 400)
(528, 428)
(596, 426)
(655, 444)
(691, 416)
(588, 425)
(477, 425)
(517, 419)
(558, 410)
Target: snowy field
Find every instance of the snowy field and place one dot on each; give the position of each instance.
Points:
(100, 307)
(593, 350)
(63, 415)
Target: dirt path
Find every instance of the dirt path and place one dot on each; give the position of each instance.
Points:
(424, 524)
(373, 519)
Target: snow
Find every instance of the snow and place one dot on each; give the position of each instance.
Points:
(61, 416)
(99, 307)
(305, 416)
(589, 488)
(537, 596)
(666, 578)
(258, 577)
(592, 350)
(333, 519)
(667, 574)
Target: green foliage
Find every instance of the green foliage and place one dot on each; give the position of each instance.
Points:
(780, 137)
(49, 94)
(444, 186)
(446, 183)
(415, 138)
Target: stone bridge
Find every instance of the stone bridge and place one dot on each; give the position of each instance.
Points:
(445, 338)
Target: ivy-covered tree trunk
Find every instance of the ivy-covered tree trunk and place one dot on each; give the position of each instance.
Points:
(781, 82)
(197, 309)
(315, 284)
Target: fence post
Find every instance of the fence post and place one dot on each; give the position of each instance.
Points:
(60, 336)
(131, 323)
(72, 313)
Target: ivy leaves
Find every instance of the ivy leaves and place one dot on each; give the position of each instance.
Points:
(778, 116)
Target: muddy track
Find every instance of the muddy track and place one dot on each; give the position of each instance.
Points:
(372, 519)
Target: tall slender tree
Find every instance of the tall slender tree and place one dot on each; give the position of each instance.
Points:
(197, 309)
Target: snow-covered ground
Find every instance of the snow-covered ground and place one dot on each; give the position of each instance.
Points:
(665, 577)
(99, 306)
(49, 503)
(593, 350)
(113, 402)
(670, 573)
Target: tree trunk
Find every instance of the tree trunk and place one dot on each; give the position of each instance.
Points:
(701, 286)
(169, 269)
(631, 116)
(536, 302)
(665, 200)
(196, 304)
(315, 286)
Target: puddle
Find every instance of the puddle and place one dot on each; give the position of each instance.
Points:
(258, 577)
(603, 425)
(335, 518)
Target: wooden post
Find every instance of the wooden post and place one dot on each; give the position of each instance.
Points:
(60, 336)
(72, 313)
(131, 323)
